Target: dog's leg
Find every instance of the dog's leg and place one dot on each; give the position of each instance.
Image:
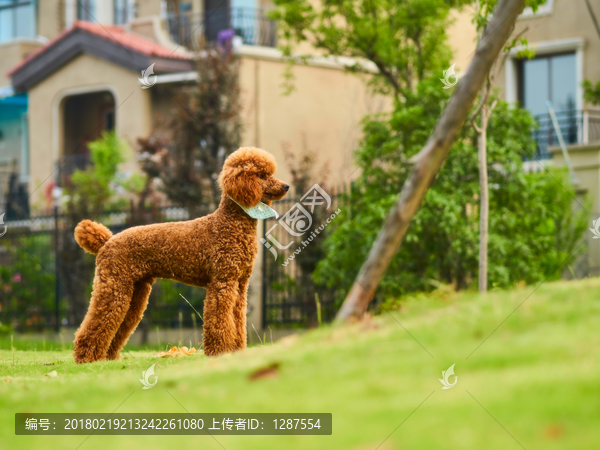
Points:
(239, 314)
(139, 301)
(220, 332)
(108, 307)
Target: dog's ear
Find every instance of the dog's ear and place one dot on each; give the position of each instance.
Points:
(242, 187)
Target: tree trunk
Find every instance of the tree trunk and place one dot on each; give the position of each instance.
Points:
(484, 202)
(429, 161)
(484, 197)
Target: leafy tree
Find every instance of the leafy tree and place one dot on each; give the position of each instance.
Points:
(404, 39)
(483, 11)
(532, 225)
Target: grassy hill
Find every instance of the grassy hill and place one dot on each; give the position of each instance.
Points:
(534, 383)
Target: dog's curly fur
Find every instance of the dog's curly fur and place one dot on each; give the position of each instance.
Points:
(216, 252)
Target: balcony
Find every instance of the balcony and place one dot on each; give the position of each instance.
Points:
(576, 127)
(251, 24)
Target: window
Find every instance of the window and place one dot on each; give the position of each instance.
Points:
(124, 11)
(86, 10)
(17, 19)
(551, 78)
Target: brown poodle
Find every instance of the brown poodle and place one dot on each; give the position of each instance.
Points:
(216, 252)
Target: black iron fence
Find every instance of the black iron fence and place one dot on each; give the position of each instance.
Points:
(45, 280)
(575, 126)
(251, 24)
(292, 249)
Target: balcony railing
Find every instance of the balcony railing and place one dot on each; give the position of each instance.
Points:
(576, 127)
(251, 24)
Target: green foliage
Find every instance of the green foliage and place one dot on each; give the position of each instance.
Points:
(525, 53)
(90, 191)
(532, 225)
(404, 39)
(26, 285)
(591, 93)
(530, 233)
(485, 8)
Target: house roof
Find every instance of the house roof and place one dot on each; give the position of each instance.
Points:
(112, 43)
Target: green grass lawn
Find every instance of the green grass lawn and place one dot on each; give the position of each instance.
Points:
(533, 384)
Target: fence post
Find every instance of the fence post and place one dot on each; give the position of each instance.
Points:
(586, 126)
(264, 278)
(56, 271)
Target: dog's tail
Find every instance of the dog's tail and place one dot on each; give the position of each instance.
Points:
(91, 236)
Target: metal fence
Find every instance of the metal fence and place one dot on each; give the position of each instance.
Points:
(45, 278)
(251, 24)
(44, 283)
(290, 297)
(576, 127)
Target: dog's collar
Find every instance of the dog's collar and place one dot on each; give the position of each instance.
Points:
(260, 211)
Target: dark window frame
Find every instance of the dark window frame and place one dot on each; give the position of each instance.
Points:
(86, 10)
(521, 72)
(124, 13)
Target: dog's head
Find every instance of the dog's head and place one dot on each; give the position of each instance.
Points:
(247, 177)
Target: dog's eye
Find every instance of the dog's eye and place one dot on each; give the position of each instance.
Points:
(262, 176)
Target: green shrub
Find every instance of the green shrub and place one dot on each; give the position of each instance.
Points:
(533, 228)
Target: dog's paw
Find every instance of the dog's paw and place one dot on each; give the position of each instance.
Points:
(85, 354)
(212, 351)
(114, 355)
